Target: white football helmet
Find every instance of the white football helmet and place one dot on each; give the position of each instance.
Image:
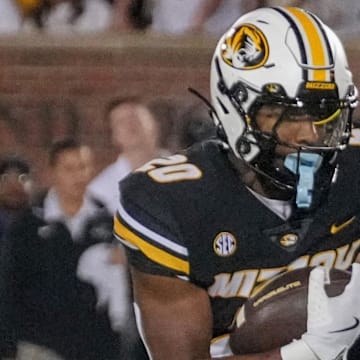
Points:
(284, 56)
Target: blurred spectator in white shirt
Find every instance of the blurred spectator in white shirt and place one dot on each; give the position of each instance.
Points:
(135, 133)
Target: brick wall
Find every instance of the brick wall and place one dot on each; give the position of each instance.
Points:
(55, 86)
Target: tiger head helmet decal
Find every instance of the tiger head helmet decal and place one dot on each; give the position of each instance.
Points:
(245, 48)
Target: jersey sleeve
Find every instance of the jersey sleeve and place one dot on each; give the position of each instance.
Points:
(145, 224)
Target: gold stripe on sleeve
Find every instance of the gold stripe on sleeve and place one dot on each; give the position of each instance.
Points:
(313, 38)
(151, 251)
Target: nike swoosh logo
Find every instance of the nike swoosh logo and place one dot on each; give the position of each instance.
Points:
(356, 324)
(336, 228)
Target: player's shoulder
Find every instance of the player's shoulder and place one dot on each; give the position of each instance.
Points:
(165, 187)
(187, 170)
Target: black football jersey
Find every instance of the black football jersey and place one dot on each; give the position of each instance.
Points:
(190, 216)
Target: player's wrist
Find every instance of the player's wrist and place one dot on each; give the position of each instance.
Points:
(297, 350)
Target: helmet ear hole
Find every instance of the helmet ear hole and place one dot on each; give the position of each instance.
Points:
(243, 146)
(239, 93)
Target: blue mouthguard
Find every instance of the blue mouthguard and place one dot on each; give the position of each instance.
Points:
(305, 165)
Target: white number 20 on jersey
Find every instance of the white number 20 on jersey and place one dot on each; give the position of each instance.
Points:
(170, 169)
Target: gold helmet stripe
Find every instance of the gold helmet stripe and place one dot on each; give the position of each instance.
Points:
(317, 53)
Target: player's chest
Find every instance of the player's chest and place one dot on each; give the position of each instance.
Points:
(237, 251)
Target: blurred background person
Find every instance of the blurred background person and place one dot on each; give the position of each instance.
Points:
(71, 167)
(15, 194)
(43, 303)
(10, 17)
(135, 134)
(212, 17)
(20, 15)
(15, 188)
(59, 17)
(121, 19)
(130, 15)
(76, 16)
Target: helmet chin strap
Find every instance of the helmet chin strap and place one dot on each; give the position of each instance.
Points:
(305, 165)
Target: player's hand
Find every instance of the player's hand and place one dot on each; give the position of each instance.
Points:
(333, 322)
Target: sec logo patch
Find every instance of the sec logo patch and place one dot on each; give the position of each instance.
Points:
(289, 240)
(224, 244)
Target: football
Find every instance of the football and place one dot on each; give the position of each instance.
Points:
(276, 314)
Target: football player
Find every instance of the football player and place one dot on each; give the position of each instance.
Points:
(277, 190)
